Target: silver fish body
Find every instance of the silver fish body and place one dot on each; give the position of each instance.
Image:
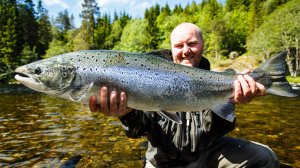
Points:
(151, 83)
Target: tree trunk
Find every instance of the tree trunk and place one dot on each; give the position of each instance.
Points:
(297, 58)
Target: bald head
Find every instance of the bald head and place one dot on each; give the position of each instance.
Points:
(187, 44)
(186, 27)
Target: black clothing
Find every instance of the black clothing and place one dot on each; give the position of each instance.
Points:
(176, 144)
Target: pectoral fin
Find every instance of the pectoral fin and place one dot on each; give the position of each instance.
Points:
(78, 93)
(226, 111)
(170, 116)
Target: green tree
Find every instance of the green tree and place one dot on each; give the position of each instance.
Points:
(255, 14)
(102, 31)
(236, 31)
(134, 37)
(8, 36)
(114, 36)
(27, 24)
(280, 31)
(232, 5)
(44, 30)
(90, 12)
(152, 29)
(63, 23)
(177, 9)
(63, 35)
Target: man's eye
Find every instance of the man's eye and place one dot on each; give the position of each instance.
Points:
(178, 46)
(193, 44)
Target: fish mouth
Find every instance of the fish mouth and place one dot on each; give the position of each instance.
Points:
(26, 78)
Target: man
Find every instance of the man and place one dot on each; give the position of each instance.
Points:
(199, 141)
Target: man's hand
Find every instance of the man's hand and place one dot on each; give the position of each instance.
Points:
(245, 89)
(110, 103)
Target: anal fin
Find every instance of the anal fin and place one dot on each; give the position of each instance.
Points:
(170, 116)
(226, 111)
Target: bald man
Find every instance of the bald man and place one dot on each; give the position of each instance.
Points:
(200, 140)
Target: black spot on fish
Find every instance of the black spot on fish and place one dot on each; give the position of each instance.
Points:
(84, 69)
(96, 60)
(91, 69)
(93, 56)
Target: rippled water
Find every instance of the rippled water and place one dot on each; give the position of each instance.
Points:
(42, 131)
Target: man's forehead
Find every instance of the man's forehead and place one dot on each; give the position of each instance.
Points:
(184, 36)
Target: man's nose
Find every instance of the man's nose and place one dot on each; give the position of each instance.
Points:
(186, 49)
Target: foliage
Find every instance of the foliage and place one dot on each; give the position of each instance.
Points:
(280, 31)
(293, 79)
(134, 37)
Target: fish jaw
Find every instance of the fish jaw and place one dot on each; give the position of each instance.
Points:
(24, 76)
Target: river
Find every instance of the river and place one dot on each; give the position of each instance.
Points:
(37, 130)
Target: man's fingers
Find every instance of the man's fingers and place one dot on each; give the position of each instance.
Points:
(103, 100)
(245, 86)
(113, 103)
(123, 105)
(261, 89)
(246, 71)
(251, 84)
(237, 91)
(93, 104)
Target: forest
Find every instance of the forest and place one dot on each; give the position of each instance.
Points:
(253, 27)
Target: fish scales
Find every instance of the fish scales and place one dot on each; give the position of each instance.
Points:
(145, 78)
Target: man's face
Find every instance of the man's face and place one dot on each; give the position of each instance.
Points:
(186, 46)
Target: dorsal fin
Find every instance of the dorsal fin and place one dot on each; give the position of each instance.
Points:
(163, 53)
(230, 72)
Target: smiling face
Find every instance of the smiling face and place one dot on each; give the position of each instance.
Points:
(187, 45)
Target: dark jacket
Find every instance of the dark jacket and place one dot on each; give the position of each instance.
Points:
(173, 144)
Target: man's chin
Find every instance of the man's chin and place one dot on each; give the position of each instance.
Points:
(186, 63)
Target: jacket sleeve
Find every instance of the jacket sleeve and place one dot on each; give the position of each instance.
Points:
(136, 123)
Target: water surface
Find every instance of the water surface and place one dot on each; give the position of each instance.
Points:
(37, 130)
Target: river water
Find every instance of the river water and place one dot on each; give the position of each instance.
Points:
(37, 130)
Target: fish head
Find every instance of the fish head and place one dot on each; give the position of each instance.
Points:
(48, 76)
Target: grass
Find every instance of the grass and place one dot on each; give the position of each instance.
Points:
(293, 79)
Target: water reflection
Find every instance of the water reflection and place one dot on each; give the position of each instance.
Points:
(38, 130)
(42, 131)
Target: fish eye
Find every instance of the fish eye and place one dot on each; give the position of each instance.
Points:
(38, 70)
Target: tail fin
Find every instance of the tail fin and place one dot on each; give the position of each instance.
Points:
(275, 70)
